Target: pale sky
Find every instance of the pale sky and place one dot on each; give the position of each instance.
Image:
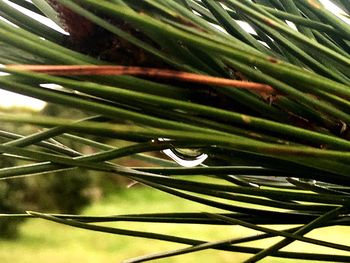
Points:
(9, 99)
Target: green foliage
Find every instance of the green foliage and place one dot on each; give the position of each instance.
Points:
(11, 196)
(57, 193)
(66, 192)
(285, 153)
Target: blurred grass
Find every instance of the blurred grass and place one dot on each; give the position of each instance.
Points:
(43, 241)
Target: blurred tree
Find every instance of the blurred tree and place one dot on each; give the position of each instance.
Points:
(11, 197)
(61, 192)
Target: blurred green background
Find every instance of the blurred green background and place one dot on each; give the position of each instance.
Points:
(42, 241)
(91, 193)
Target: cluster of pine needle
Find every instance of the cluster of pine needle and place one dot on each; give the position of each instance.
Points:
(253, 96)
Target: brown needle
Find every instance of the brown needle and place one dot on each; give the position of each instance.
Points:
(145, 72)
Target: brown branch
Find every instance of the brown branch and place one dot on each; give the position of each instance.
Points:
(70, 70)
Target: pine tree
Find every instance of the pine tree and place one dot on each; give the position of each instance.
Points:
(262, 113)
